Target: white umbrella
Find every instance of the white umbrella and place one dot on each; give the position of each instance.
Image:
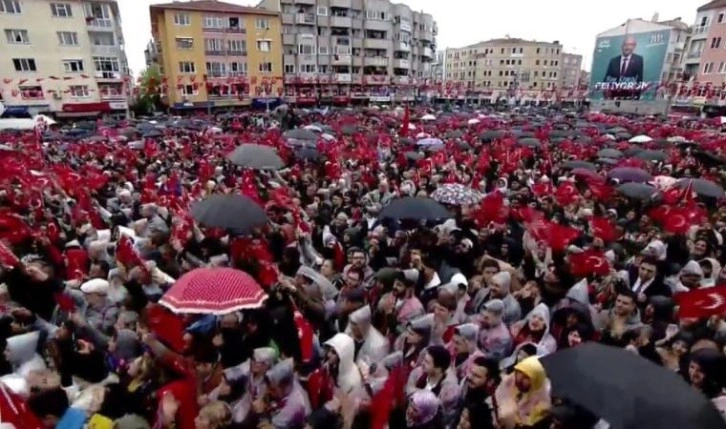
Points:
(473, 121)
(428, 117)
(641, 139)
(411, 126)
(313, 128)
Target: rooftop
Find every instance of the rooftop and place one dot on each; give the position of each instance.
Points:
(715, 4)
(212, 6)
(506, 40)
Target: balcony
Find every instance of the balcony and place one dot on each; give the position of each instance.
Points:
(401, 64)
(342, 78)
(236, 53)
(375, 61)
(402, 47)
(340, 60)
(305, 2)
(288, 39)
(213, 29)
(288, 18)
(402, 80)
(427, 52)
(696, 54)
(99, 24)
(236, 30)
(105, 51)
(377, 44)
(305, 19)
(344, 4)
(214, 53)
(341, 21)
(427, 35)
(375, 25)
(703, 29)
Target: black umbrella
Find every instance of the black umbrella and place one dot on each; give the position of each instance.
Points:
(637, 191)
(530, 142)
(256, 156)
(630, 174)
(414, 156)
(307, 153)
(652, 155)
(628, 391)
(229, 211)
(300, 134)
(702, 187)
(573, 164)
(415, 208)
(490, 136)
(610, 153)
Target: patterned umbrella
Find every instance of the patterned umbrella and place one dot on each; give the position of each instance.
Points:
(213, 291)
(456, 194)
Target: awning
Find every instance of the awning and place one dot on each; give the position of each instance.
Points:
(15, 110)
(102, 106)
(197, 105)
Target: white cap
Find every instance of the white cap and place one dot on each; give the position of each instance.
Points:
(99, 286)
(459, 279)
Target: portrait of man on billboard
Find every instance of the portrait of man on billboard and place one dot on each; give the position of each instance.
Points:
(626, 68)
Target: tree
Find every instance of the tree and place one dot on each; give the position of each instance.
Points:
(148, 99)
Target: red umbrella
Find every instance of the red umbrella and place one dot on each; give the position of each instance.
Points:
(213, 291)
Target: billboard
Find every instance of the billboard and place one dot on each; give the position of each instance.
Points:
(628, 66)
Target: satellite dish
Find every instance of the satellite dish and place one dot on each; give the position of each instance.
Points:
(2, 108)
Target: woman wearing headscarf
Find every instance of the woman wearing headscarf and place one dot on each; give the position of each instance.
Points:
(706, 371)
(436, 375)
(535, 328)
(423, 411)
(338, 376)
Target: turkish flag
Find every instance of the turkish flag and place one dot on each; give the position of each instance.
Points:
(704, 302)
(8, 259)
(15, 412)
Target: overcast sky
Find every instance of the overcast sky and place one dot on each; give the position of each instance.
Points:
(575, 23)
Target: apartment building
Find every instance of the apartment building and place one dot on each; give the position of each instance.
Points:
(438, 67)
(706, 53)
(346, 50)
(64, 58)
(506, 65)
(570, 71)
(215, 54)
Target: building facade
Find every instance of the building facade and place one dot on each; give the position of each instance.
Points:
(507, 66)
(64, 58)
(216, 54)
(438, 67)
(707, 47)
(347, 50)
(570, 71)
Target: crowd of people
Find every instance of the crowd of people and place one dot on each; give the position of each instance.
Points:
(563, 230)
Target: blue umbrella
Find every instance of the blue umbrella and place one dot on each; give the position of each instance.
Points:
(630, 174)
(430, 142)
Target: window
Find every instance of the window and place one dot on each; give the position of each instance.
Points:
(79, 91)
(721, 67)
(216, 69)
(17, 37)
(214, 22)
(10, 6)
(707, 68)
(182, 19)
(73, 66)
(306, 49)
(184, 43)
(68, 38)
(31, 93)
(187, 67)
(289, 68)
(720, 18)
(98, 14)
(715, 43)
(237, 47)
(237, 68)
(262, 24)
(322, 11)
(24, 64)
(189, 90)
(376, 15)
(265, 67)
(101, 38)
(61, 10)
(323, 50)
(264, 45)
(108, 67)
(307, 68)
(214, 45)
